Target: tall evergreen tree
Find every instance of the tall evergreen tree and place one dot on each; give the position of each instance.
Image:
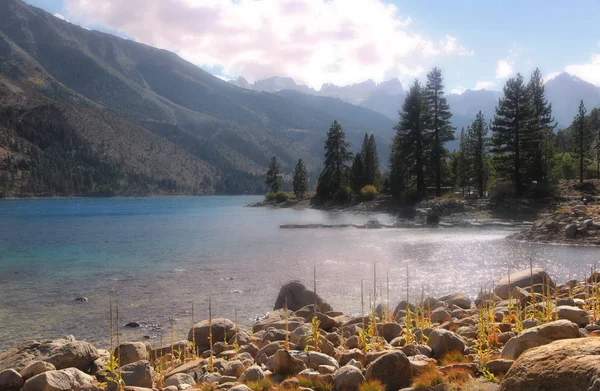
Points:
(300, 180)
(463, 164)
(581, 136)
(334, 174)
(357, 173)
(273, 176)
(477, 153)
(539, 135)
(596, 127)
(396, 177)
(512, 117)
(370, 161)
(412, 137)
(442, 130)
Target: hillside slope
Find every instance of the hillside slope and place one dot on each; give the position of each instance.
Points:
(148, 112)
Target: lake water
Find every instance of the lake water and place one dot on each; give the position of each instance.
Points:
(156, 256)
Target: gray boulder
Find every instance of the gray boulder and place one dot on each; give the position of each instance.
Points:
(11, 380)
(522, 279)
(137, 374)
(443, 341)
(62, 380)
(130, 352)
(392, 369)
(35, 368)
(253, 373)
(222, 329)
(574, 314)
(299, 295)
(348, 378)
(458, 299)
(538, 336)
(180, 379)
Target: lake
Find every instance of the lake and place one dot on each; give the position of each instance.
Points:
(156, 256)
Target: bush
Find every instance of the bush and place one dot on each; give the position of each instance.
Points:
(368, 193)
(278, 197)
(429, 377)
(371, 385)
(502, 190)
(343, 195)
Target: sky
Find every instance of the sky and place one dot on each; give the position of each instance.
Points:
(477, 44)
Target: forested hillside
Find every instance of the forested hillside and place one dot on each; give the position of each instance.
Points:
(147, 114)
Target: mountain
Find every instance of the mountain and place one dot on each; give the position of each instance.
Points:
(147, 120)
(565, 92)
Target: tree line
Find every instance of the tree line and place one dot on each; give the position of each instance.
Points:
(517, 150)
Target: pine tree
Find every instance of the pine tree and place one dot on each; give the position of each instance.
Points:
(412, 137)
(463, 164)
(539, 135)
(440, 123)
(371, 163)
(396, 178)
(273, 176)
(300, 180)
(596, 127)
(512, 117)
(581, 136)
(334, 174)
(357, 173)
(477, 151)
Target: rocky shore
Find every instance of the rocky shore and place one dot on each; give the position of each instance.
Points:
(526, 334)
(573, 225)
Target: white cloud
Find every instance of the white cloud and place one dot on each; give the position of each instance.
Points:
(481, 85)
(450, 46)
(313, 41)
(589, 71)
(60, 16)
(504, 69)
(458, 90)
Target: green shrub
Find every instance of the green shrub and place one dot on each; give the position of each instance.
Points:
(368, 193)
(282, 197)
(343, 195)
(270, 196)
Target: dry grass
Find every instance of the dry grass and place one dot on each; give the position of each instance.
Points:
(429, 377)
(454, 357)
(371, 385)
(262, 385)
(458, 377)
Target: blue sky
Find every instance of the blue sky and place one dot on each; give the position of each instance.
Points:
(478, 44)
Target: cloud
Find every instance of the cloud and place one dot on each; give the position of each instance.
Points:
(458, 90)
(589, 71)
(481, 85)
(504, 69)
(450, 46)
(313, 41)
(60, 16)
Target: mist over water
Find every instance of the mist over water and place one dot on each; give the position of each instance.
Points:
(156, 256)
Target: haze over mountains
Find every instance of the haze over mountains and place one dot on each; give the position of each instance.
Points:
(83, 111)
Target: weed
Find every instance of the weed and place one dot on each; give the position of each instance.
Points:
(236, 345)
(312, 340)
(305, 381)
(371, 385)
(261, 385)
(487, 374)
(207, 386)
(487, 331)
(454, 357)
(210, 336)
(322, 385)
(427, 378)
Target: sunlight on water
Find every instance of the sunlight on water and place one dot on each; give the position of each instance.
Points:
(158, 255)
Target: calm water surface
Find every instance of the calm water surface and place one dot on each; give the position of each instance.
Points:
(156, 256)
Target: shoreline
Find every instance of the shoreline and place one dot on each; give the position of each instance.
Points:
(481, 338)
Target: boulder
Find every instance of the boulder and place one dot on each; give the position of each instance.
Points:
(351, 354)
(284, 364)
(574, 314)
(221, 329)
(192, 368)
(61, 380)
(499, 366)
(348, 378)
(538, 336)
(569, 364)
(580, 210)
(522, 279)
(389, 331)
(161, 351)
(442, 341)
(62, 353)
(138, 374)
(35, 368)
(414, 349)
(129, 352)
(180, 379)
(392, 369)
(440, 315)
(571, 231)
(253, 373)
(299, 295)
(315, 359)
(240, 387)
(11, 380)
(458, 299)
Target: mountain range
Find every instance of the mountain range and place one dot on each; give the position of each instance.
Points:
(84, 112)
(147, 112)
(564, 92)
